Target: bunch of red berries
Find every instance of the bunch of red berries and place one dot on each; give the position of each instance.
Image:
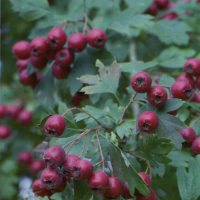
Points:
(40, 50)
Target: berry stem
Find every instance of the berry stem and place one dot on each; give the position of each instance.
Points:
(195, 122)
(164, 86)
(85, 26)
(196, 91)
(141, 100)
(83, 146)
(149, 168)
(121, 119)
(109, 168)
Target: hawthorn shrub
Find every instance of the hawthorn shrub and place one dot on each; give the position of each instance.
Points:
(103, 102)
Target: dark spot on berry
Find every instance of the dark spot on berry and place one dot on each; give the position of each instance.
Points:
(189, 68)
(145, 126)
(157, 99)
(35, 51)
(49, 182)
(99, 41)
(140, 81)
(53, 42)
(62, 56)
(188, 92)
(95, 189)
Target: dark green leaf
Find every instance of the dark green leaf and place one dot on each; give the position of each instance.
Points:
(30, 68)
(125, 129)
(166, 80)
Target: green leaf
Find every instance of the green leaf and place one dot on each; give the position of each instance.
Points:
(134, 67)
(105, 83)
(125, 129)
(166, 80)
(189, 182)
(30, 68)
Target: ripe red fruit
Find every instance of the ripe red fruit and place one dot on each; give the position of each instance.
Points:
(3, 111)
(162, 4)
(148, 121)
(198, 82)
(192, 67)
(56, 38)
(185, 77)
(153, 9)
(173, 112)
(55, 125)
(157, 96)
(27, 79)
(188, 135)
(61, 187)
(38, 190)
(25, 117)
(170, 16)
(146, 178)
(141, 82)
(98, 182)
(77, 42)
(60, 72)
(65, 57)
(51, 54)
(24, 158)
(157, 80)
(50, 178)
(151, 197)
(22, 64)
(69, 164)
(38, 46)
(37, 166)
(115, 188)
(54, 156)
(5, 131)
(82, 170)
(196, 146)
(12, 111)
(127, 194)
(78, 98)
(96, 38)
(21, 49)
(39, 61)
(39, 77)
(182, 90)
(196, 98)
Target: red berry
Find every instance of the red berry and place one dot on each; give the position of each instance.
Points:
(38, 190)
(182, 90)
(27, 79)
(157, 96)
(60, 72)
(24, 158)
(170, 16)
(141, 82)
(192, 67)
(38, 46)
(22, 64)
(148, 121)
(21, 49)
(55, 125)
(146, 178)
(61, 187)
(173, 112)
(78, 98)
(3, 111)
(96, 38)
(5, 131)
(198, 82)
(162, 4)
(127, 194)
(25, 117)
(188, 135)
(196, 146)
(12, 111)
(65, 57)
(51, 54)
(56, 38)
(196, 98)
(153, 9)
(77, 42)
(54, 157)
(151, 197)
(39, 61)
(185, 77)
(157, 80)
(37, 166)
(50, 178)
(82, 170)
(115, 188)
(69, 164)
(98, 182)
(39, 77)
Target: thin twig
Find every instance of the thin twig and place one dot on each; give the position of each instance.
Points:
(98, 163)
(165, 86)
(195, 122)
(136, 155)
(109, 168)
(141, 100)
(85, 26)
(83, 146)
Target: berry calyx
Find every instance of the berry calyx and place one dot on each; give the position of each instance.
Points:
(25, 117)
(50, 178)
(60, 72)
(22, 64)
(56, 38)
(162, 4)
(55, 125)
(37, 166)
(3, 111)
(12, 111)
(127, 194)
(188, 135)
(27, 79)
(146, 178)
(65, 57)
(196, 146)
(141, 82)
(24, 158)
(173, 112)
(151, 197)
(54, 156)
(157, 96)
(82, 169)
(182, 90)
(39, 61)
(115, 188)
(192, 67)
(77, 42)
(21, 49)
(96, 38)
(5, 131)
(148, 121)
(185, 77)
(38, 190)
(98, 182)
(38, 46)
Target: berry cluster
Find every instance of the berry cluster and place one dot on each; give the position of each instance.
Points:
(13, 112)
(40, 50)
